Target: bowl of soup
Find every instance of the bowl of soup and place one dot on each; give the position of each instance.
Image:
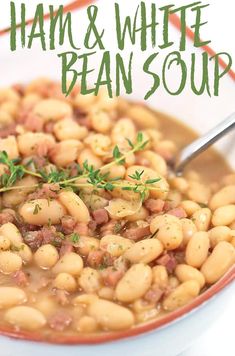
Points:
(102, 249)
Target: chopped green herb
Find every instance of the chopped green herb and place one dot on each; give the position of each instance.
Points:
(75, 237)
(37, 208)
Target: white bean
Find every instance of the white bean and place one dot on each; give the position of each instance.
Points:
(10, 146)
(197, 249)
(69, 263)
(224, 215)
(169, 230)
(66, 152)
(220, 233)
(182, 295)
(46, 256)
(115, 245)
(111, 316)
(75, 206)
(11, 232)
(144, 251)
(219, 262)
(52, 109)
(9, 262)
(42, 211)
(27, 318)
(69, 129)
(202, 219)
(10, 296)
(134, 284)
(65, 281)
(187, 273)
(90, 280)
(224, 196)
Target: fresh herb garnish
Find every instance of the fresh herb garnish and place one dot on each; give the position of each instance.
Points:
(87, 176)
(75, 237)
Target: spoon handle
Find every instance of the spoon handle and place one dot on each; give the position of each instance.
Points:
(201, 144)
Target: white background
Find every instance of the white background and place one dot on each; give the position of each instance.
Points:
(219, 340)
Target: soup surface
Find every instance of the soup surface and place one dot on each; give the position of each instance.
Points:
(95, 234)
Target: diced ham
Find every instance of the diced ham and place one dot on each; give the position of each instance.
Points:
(100, 216)
(178, 212)
(167, 206)
(33, 239)
(73, 169)
(39, 161)
(111, 276)
(8, 130)
(20, 278)
(137, 233)
(68, 224)
(82, 119)
(154, 205)
(81, 229)
(23, 114)
(49, 126)
(34, 123)
(60, 321)
(167, 260)
(19, 88)
(6, 217)
(95, 258)
(154, 294)
(43, 148)
(92, 225)
(49, 235)
(47, 191)
(66, 248)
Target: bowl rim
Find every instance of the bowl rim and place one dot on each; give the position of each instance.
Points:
(151, 326)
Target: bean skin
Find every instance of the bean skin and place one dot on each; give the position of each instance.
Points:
(186, 273)
(111, 316)
(144, 251)
(197, 249)
(10, 296)
(24, 317)
(134, 284)
(182, 295)
(219, 262)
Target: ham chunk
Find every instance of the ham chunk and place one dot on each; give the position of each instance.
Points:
(154, 295)
(167, 260)
(33, 123)
(7, 131)
(68, 224)
(6, 217)
(60, 321)
(154, 205)
(100, 216)
(178, 212)
(20, 278)
(95, 258)
(137, 233)
(111, 276)
(66, 248)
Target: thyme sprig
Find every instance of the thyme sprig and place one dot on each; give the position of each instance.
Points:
(87, 176)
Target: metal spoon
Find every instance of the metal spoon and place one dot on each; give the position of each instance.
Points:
(198, 146)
